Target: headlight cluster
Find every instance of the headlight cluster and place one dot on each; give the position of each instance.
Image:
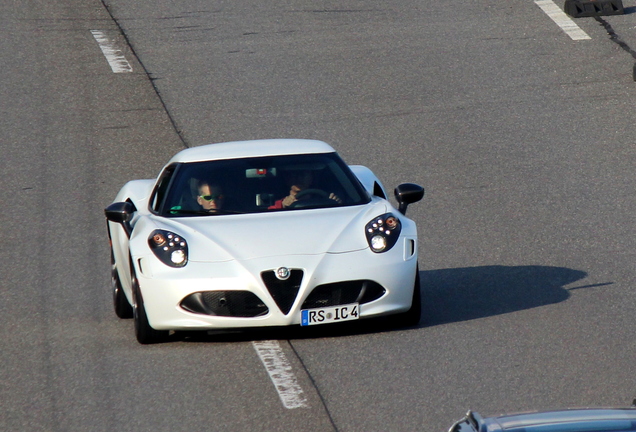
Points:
(383, 232)
(169, 247)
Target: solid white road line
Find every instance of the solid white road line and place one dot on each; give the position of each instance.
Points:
(281, 374)
(114, 56)
(562, 20)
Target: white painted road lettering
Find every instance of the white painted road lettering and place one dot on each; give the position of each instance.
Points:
(562, 20)
(114, 55)
(281, 374)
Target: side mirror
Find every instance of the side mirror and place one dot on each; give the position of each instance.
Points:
(408, 193)
(121, 213)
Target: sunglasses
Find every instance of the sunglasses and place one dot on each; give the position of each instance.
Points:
(211, 197)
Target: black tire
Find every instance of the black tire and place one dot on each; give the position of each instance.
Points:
(144, 333)
(123, 308)
(412, 317)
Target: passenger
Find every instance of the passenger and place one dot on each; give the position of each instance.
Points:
(210, 196)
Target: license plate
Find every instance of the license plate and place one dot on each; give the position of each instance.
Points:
(329, 314)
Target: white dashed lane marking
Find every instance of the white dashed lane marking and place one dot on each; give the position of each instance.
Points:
(562, 20)
(114, 55)
(281, 374)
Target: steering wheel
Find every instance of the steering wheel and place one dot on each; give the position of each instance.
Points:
(307, 192)
(312, 198)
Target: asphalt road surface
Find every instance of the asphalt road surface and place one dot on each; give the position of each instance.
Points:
(522, 135)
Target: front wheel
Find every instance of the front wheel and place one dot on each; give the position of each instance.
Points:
(123, 309)
(143, 331)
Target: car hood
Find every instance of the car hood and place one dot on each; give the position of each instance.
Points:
(283, 233)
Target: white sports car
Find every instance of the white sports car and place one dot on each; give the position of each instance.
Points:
(261, 233)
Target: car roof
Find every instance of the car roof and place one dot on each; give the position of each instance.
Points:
(589, 420)
(252, 148)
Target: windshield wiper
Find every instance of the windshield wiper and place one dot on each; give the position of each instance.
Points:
(187, 212)
(204, 212)
(223, 211)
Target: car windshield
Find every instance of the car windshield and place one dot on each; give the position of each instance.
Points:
(255, 185)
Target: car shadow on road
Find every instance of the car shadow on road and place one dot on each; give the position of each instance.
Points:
(448, 295)
(462, 294)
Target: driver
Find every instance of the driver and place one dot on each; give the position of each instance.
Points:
(299, 181)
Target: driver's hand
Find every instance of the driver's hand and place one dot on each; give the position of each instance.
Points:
(289, 200)
(333, 196)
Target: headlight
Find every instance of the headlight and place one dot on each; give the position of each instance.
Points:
(383, 232)
(169, 247)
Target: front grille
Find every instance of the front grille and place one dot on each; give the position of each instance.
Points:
(241, 304)
(339, 293)
(283, 292)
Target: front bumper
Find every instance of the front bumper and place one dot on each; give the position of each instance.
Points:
(163, 288)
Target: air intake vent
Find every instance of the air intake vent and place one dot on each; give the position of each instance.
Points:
(340, 293)
(283, 292)
(241, 304)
